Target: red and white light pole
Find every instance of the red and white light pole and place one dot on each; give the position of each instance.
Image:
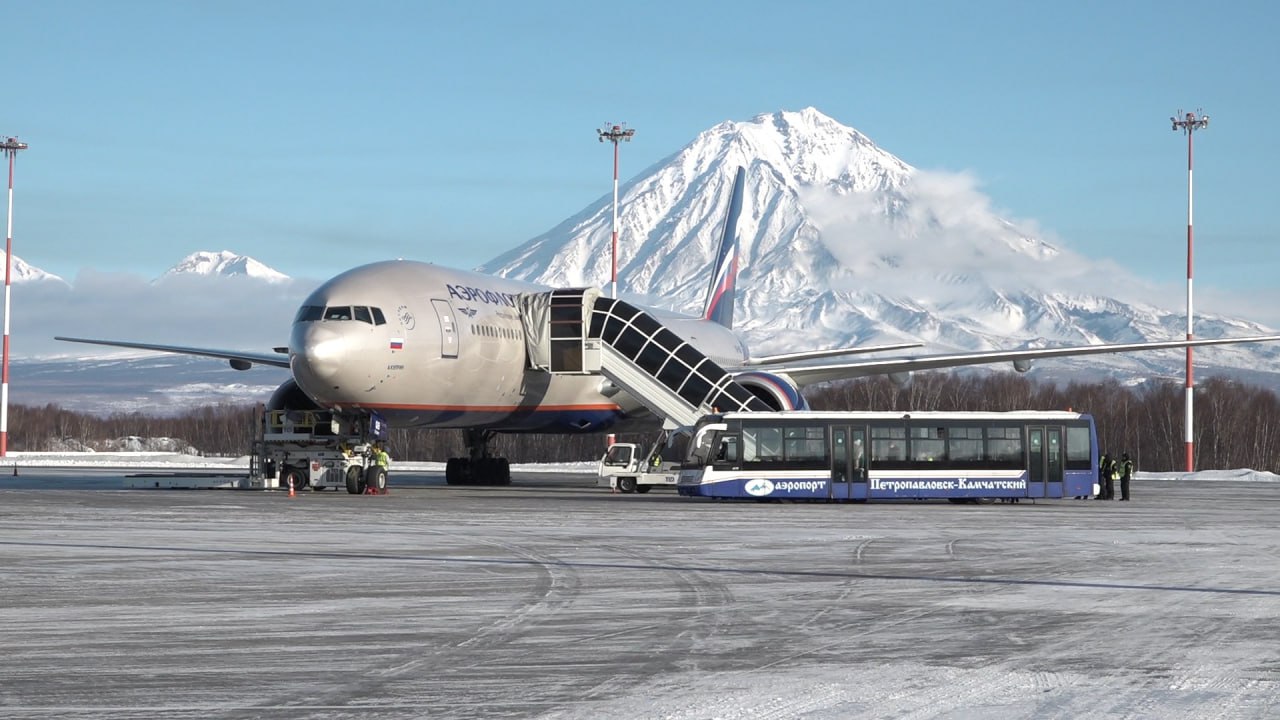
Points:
(11, 146)
(1188, 124)
(615, 134)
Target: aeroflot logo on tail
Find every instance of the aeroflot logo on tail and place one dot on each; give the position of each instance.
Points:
(489, 297)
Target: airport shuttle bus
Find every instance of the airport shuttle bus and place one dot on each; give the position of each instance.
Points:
(861, 456)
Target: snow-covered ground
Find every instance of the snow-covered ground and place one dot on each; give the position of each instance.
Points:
(556, 600)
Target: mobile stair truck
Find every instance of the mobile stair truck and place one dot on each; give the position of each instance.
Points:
(318, 449)
(627, 468)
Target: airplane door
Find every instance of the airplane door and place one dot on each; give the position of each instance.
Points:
(448, 329)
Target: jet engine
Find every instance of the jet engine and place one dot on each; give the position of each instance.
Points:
(290, 397)
(778, 392)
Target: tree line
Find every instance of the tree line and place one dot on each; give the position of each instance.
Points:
(1235, 425)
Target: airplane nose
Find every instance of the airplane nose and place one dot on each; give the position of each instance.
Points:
(318, 355)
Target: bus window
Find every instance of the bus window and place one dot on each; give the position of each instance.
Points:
(964, 444)
(761, 444)
(728, 452)
(1079, 452)
(1004, 445)
(888, 444)
(805, 443)
(705, 438)
(927, 444)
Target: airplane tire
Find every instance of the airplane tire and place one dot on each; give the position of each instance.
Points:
(376, 477)
(626, 484)
(503, 471)
(642, 489)
(454, 471)
(355, 480)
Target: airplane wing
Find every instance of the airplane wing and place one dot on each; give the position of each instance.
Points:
(804, 375)
(239, 360)
(816, 354)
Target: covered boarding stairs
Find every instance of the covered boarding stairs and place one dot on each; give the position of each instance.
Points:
(578, 331)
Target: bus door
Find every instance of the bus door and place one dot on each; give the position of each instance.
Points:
(848, 463)
(1045, 461)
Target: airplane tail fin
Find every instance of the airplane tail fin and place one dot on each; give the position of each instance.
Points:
(724, 277)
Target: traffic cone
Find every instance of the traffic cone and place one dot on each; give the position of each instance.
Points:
(291, 486)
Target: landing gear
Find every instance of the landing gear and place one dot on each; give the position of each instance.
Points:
(480, 468)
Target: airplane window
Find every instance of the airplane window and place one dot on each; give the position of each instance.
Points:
(338, 313)
(378, 317)
(362, 314)
(308, 313)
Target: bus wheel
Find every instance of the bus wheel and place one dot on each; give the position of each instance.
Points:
(626, 484)
(355, 479)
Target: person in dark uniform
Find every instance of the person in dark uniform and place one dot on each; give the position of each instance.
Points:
(1126, 474)
(1104, 476)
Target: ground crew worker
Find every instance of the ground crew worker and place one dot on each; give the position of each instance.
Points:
(1126, 474)
(1111, 480)
(1104, 476)
(380, 457)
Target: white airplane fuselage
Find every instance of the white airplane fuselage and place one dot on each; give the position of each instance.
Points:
(450, 353)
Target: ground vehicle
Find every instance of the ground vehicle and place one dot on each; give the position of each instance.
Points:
(317, 449)
(859, 456)
(628, 468)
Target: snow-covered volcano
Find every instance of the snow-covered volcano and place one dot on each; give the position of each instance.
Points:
(844, 244)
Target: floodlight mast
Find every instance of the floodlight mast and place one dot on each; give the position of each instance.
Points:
(615, 134)
(11, 146)
(1188, 124)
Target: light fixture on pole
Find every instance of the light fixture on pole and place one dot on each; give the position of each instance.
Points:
(1188, 123)
(615, 134)
(11, 146)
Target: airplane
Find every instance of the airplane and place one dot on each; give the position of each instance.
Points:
(425, 346)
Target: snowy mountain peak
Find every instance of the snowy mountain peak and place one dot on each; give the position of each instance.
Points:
(21, 272)
(842, 243)
(224, 264)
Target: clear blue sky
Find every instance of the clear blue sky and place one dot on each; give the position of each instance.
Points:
(318, 135)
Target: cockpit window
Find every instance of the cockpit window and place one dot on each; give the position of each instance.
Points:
(362, 313)
(308, 313)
